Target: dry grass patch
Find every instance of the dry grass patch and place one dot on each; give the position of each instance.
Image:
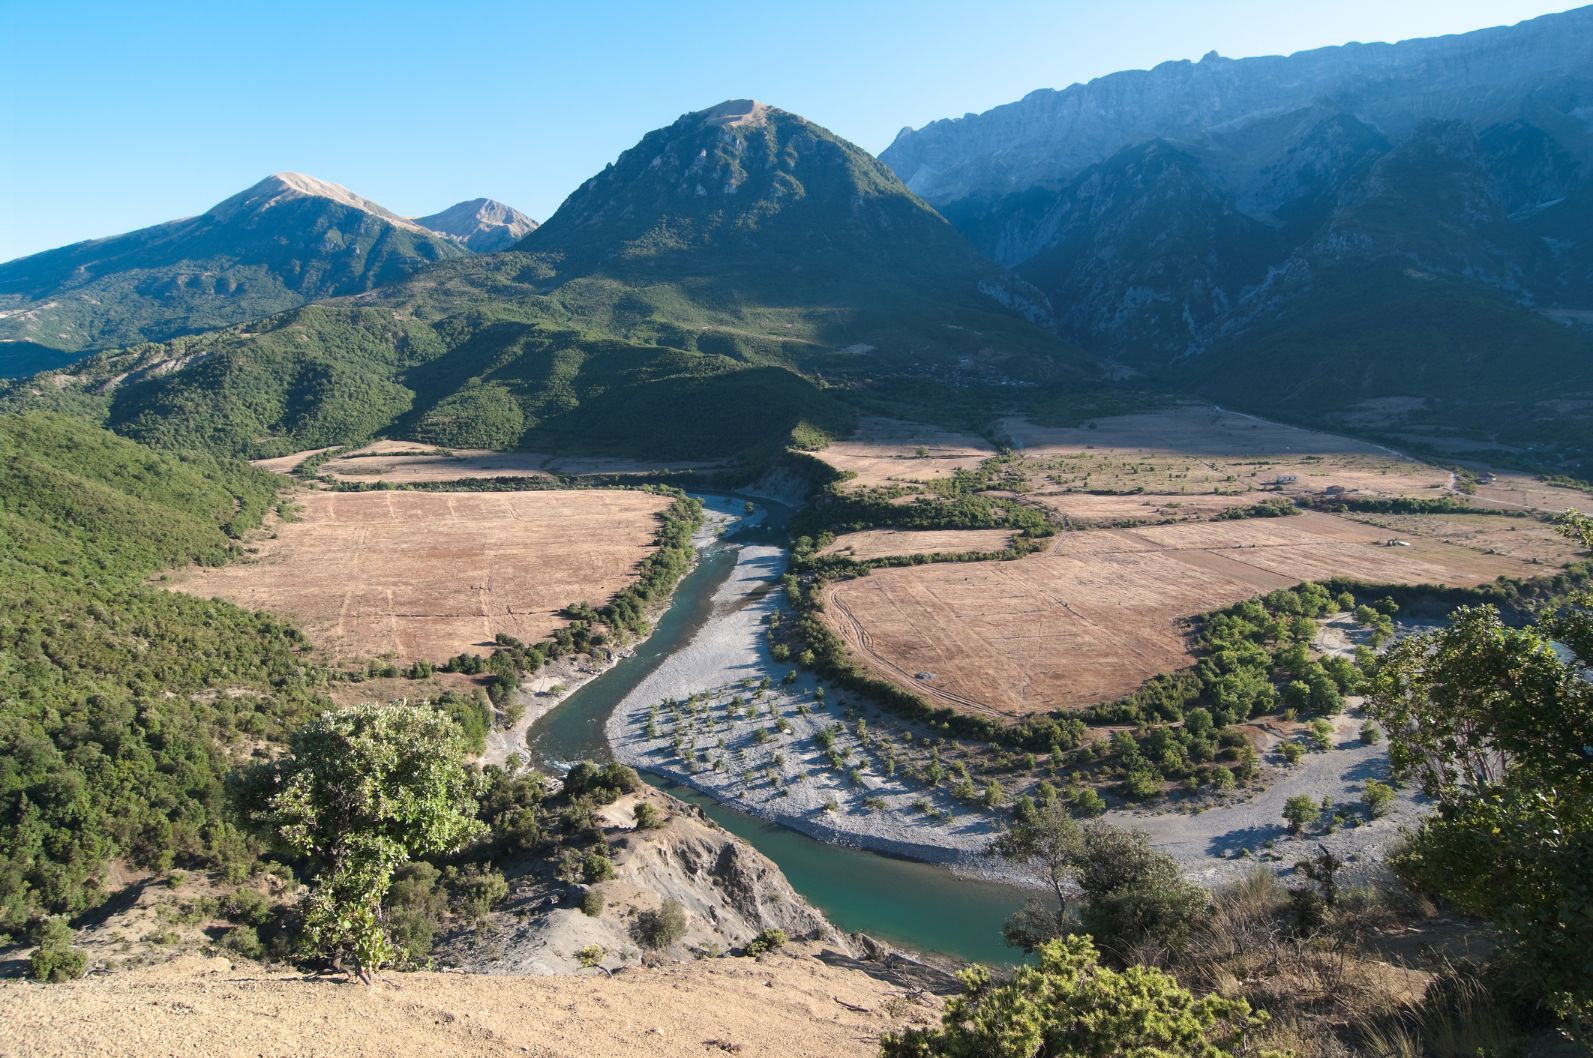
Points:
(409, 462)
(1101, 611)
(425, 575)
(894, 452)
(1199, 450)
(289, 463)
(881, 543)
(1524, 538)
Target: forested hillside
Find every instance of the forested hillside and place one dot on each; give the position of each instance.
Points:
(121, 703)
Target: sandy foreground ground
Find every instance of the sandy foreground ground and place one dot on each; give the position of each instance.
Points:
(783, 1005)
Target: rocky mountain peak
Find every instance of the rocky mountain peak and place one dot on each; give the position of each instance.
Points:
(482, 225)
(283, 187)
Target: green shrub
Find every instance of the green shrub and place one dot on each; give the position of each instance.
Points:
(605, 783)
(55, 959)
(414, 909)
(648, 817)
(1069, 1006)
(245, 941)
(661, 928)
(590, 955)
(1371, 734)
(596, 867)
(1300, 811)
(1378, 797)
(765, 942)
(1291, 752)
(476, 889)
(592, 903)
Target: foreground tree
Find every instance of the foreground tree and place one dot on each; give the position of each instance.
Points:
(1131, 896)
(1070, 1006)
(1497, 726)
(362, 792)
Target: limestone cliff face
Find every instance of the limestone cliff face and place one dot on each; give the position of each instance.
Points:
(1491, 75)
(1163, 211)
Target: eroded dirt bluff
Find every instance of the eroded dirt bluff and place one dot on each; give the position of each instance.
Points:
(728, 890)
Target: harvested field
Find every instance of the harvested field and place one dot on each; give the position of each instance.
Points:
(1083, 509)
(1101, 611)
(426, 575)
(1191, 450)
(289, 463)
(408, 462)
(879, 543)
(1524, 538)
(1525, 492)
(886, 452)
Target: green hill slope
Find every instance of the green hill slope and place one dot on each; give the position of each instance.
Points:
(118, 699)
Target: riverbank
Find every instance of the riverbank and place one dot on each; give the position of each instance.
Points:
(758, 743)
(550, 686)
(718, 716)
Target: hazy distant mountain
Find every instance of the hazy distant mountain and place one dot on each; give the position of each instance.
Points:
(287, 240)
(482, 225)
(738, 276)
(1181, 220)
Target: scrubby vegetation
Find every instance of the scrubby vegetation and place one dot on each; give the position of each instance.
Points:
(124, 705)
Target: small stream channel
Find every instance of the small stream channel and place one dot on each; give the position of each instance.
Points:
(912, 904)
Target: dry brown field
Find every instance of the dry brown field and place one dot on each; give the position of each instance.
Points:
(1084, 509)
(1101, 611)
(289, 463)
(1524, 538)
(885, 452)
(880, 543)
(426, 575)
(1192, 450)
(409, 462)
(1524, 492)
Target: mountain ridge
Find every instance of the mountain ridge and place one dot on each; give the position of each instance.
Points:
(282, 242)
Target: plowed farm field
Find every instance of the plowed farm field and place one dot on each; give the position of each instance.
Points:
(426, 575)
(1101, 611)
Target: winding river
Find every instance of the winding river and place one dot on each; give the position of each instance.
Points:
(912, 904)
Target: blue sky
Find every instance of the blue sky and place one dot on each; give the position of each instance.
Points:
(118, 115)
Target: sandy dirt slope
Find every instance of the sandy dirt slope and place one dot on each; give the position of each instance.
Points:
(788, 1006)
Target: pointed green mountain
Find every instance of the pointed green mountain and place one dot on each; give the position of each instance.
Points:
(737, 276)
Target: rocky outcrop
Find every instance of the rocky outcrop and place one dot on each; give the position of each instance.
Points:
(730, 893)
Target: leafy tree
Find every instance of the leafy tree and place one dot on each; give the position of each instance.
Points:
(1300, 811)
(1045, 845)
(362, 792)
(1070, 1006)
(55, 959)
(1135, 897)
(1497, 728)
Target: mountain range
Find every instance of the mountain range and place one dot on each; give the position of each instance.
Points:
(1280, 232)
(1390, 239)
(737, 278)
(288, 240)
